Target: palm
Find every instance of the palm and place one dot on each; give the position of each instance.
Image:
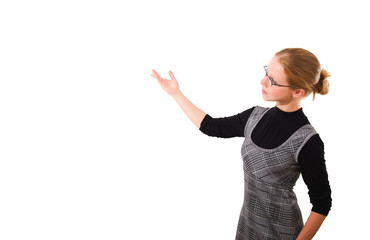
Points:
(170, 86)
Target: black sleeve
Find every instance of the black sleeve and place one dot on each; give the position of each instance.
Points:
(225, 127)
(312, 164)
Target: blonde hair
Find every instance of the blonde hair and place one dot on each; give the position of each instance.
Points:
(304, 71)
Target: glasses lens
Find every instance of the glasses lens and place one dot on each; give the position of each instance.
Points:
(270, 82)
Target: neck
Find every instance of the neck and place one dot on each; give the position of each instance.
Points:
(289, 107)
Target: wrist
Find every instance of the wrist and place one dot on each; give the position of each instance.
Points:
(177, 94)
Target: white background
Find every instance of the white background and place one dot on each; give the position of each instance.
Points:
(92, 148)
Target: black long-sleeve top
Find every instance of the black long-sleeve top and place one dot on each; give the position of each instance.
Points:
(275, 127)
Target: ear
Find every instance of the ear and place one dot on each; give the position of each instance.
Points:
(298, 93)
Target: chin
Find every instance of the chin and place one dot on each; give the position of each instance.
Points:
(266, 98)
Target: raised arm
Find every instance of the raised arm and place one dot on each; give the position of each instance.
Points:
(171, 86)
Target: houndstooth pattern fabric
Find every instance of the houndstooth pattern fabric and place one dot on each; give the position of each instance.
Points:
(270, 209)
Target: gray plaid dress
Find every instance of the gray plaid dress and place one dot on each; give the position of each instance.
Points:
(270, 209)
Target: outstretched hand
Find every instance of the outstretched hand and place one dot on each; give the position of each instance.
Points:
(170, 86)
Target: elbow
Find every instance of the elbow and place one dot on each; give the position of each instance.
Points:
(322, 206)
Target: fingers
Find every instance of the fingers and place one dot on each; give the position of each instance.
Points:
(171, 75)
(159, 78)
(155, 74)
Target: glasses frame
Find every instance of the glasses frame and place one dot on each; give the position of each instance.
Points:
(272, 81)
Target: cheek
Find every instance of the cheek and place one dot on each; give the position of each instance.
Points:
(279, 93)
(284, 93)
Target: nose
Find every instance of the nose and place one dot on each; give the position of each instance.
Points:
(264, 82)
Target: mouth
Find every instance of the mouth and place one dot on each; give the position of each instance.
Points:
(264, 92)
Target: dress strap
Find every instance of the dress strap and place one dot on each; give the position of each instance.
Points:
(303, 134)
(254, 118)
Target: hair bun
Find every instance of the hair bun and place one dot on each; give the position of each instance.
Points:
(322, 86)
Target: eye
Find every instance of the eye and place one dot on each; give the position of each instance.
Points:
(272, 81)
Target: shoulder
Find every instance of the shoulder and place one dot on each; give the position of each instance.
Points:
(312, 147)
(314, 144)
(257, 113)
(306, 136)
(258, 110)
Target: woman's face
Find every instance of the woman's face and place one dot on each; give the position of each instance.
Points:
(282, 95)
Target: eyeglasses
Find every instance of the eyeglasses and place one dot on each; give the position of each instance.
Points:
(272, 81)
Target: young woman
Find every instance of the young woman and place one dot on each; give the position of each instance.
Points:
(279, 145)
